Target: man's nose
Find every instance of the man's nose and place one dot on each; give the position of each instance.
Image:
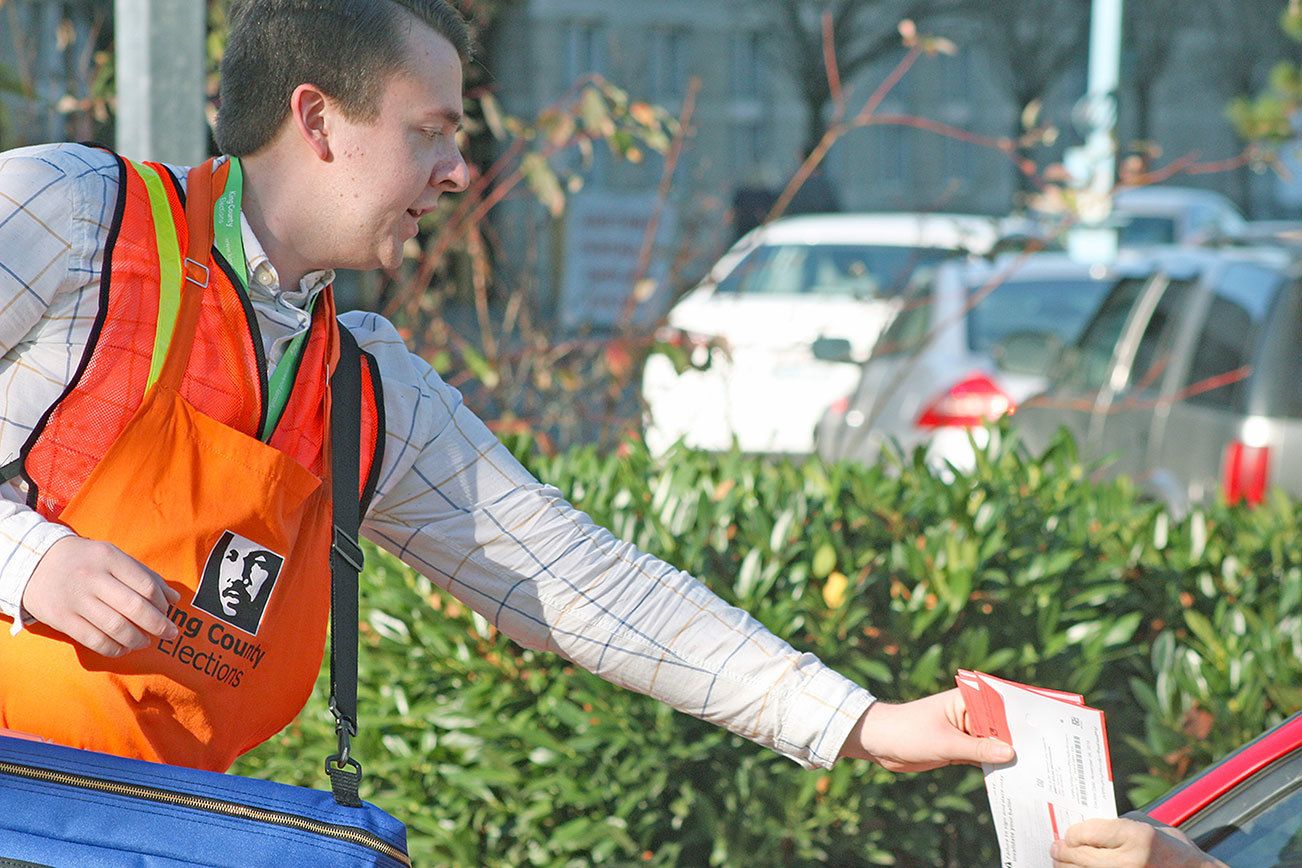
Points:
(451, 175)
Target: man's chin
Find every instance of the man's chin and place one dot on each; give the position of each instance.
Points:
(391, 257)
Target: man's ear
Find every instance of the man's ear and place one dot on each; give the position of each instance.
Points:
(308, 111)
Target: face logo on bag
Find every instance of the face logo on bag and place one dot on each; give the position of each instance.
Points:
(237, 581)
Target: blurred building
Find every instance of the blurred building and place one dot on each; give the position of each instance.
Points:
(750, 120)
(48, 69)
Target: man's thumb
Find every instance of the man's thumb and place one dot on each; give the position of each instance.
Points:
(965, 748)
(993, 751)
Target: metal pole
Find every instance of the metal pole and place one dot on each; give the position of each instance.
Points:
(1104, 80)
(160, 80)
(1097, 160)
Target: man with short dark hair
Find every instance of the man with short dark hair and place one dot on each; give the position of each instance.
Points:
(144, 365)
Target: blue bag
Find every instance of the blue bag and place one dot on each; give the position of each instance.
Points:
(66, 807)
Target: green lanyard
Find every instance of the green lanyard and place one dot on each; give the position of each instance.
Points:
(229, 238)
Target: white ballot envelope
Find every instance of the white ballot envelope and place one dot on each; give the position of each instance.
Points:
(1062, 773)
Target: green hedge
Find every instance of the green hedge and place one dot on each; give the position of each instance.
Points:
(1187, 633)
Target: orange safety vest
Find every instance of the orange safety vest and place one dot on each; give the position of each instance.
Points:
(153, 447)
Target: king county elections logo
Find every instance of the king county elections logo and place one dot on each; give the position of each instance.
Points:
(237, 581)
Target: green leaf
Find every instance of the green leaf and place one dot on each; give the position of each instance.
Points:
(542, 180)
(824, 561)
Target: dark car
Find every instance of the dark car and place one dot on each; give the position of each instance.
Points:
(1190, 380)
(1245, 810)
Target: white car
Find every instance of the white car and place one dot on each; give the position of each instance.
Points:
(768, 299)
(1161, 214)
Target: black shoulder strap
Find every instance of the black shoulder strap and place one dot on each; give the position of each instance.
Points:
(345, 564)
(11, 470)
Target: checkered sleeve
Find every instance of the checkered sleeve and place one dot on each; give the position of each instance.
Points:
(45, 243)
(452, 502)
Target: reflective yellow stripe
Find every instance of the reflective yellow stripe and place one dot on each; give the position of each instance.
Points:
(169, 268)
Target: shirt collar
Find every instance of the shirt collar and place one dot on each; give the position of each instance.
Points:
(263, 276)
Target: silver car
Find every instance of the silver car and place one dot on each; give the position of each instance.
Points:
(973, 340)
(1189, 381)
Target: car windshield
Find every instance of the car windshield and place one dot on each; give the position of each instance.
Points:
(1134, 229)
(1048, 308)
(837, 270)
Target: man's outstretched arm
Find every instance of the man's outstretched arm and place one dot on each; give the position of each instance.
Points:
(453, 503)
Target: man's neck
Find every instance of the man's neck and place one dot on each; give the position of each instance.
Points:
(268, 206)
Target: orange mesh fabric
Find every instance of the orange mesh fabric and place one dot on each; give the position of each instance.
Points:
(371, 431)
(300, 434)
(111, 383)
(223, 377)
(222, 374)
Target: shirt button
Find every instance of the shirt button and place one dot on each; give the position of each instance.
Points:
(265, 277)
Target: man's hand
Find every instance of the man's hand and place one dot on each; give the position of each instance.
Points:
(921, 735)
(1128, 844)
(99, 596)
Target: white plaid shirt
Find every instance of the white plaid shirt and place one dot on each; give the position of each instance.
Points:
(450, 500)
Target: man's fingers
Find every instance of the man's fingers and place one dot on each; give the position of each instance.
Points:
(142, 580)
(86, 634)
(1104, 833)
(1083, 856)
(114, 625)
(124, 603)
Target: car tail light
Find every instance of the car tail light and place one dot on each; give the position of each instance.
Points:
(968, 404)
(1247, 469)
(839, 406)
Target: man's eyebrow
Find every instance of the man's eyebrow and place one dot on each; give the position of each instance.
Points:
(452, 117)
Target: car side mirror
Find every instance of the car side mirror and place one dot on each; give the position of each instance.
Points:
(833, 350)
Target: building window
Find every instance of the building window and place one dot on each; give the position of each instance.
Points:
(584, 50)
(668, 63)
(748, 143)
(747, 66)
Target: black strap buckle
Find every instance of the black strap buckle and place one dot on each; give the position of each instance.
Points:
(344, 771)
(348, 549)
(345, 780)
(345, 728)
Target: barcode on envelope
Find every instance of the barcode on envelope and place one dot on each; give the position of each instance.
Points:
(1078, 760)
